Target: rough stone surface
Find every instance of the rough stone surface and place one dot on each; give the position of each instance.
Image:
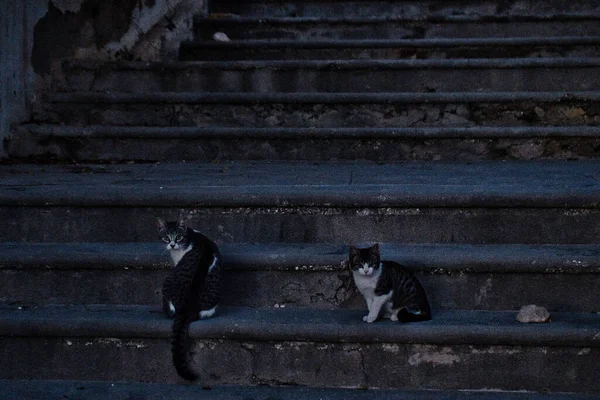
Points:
(191, 51)
(552, 74)
(407, 366)
(481, 277)
(296, 347)
(533, 313)
(313, 29)
(322, 115)
(416, 9)
(44, 390)
(544, 202)
(28, 147)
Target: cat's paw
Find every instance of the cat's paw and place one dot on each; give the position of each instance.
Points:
(394, 317)
(370, 319)
(204, 314)
(365, 317)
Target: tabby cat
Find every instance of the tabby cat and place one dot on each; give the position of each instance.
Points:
(192, 289)
(387, 286)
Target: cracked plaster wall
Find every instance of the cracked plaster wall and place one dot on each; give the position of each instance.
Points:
(35, 36)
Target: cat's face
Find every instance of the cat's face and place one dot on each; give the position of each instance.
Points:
(364, 261)
(172, 234)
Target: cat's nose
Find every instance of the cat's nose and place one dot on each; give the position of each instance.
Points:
(172, 245)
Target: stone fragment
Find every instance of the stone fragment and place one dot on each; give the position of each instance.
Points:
(533, 313)
(221, 37)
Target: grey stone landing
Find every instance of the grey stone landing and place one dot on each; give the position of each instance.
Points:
(471, 350)
(94, 390)
(455, 276)
(287, 202)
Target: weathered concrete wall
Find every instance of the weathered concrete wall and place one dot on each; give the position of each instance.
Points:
(35, 36)
(17, 20)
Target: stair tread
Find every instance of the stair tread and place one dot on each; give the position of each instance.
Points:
(245, 19)
(284, 184)
(503, 63)
(92, 390)
(302, 324)
(425, 42)
(474, 258)
(320, 97)
(176, 132)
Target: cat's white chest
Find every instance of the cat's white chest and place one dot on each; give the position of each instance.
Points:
(177, 255)
(366, 284)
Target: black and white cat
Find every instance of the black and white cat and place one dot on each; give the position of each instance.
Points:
(192, 289)
(387, 286)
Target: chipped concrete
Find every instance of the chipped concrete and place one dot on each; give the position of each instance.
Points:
(434, 355)
(116, 342)
(584, 352)
(495, 350)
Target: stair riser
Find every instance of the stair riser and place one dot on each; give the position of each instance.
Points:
(518, 113)
(309, 225)
(338, 80)
(26, 146)
(415, 9)
(237, 30)
(192, 53)
(321, 289)
(406, 366)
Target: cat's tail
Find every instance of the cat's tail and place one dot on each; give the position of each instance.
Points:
(422, 312)
(180, 346)
(184, 315)
(407, 316)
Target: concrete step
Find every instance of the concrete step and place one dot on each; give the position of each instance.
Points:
(419, 9)
(335, 202)
(455, 276)
(93, 390)
(323, 110)
(472, 350)
(431, 48)
(311, 76)
(175, 143)
(331, 28)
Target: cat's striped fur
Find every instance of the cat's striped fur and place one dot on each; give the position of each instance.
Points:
(387, 286)
(192, 289)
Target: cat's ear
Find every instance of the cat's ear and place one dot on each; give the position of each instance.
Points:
(182, 221)
(354, 251)
(375, 249)
(161, 224)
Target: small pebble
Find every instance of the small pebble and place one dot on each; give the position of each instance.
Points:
(221, 37)
(533, 313)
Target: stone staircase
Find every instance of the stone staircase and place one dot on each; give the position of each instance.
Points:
(464, 136)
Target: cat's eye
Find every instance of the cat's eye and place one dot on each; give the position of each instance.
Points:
(166, 239)
(179, 238)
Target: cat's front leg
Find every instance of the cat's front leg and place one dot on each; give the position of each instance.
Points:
(375, 309)
(369, 301)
